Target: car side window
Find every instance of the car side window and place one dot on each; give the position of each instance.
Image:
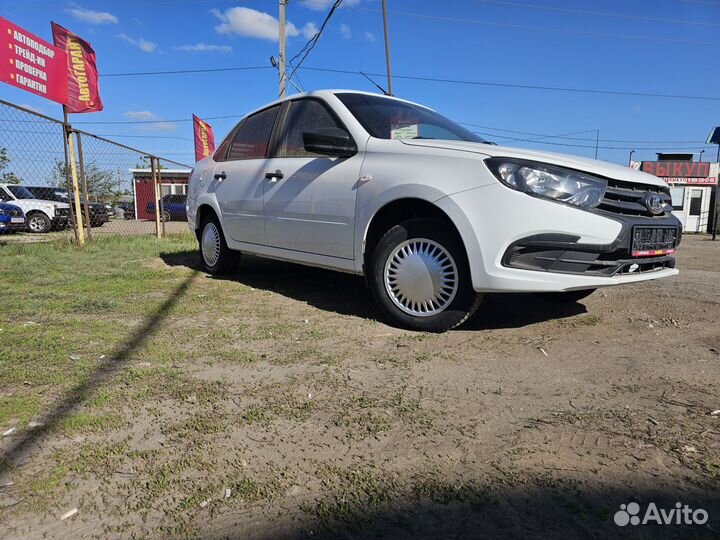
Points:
(253, 136)
(304, 115)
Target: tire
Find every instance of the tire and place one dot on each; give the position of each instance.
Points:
(424, 249)
(39, 223)
(566, 297)
(165, 216)
(217, 258)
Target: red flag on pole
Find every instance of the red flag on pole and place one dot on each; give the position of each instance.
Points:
(204, 139)
(83, 88)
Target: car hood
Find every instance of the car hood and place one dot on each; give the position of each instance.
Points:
(592, 166)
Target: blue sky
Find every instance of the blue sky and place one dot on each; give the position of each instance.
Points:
(650, 46)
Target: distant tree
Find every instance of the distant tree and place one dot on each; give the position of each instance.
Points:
(102, 184)
(7, 177)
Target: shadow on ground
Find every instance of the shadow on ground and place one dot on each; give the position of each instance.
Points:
(21, 448)
(347, 294)
(517, 512)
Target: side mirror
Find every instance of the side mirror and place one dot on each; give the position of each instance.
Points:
(329, 142)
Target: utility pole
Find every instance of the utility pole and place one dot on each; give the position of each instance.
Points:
(387, 48)
(597, 141)
(630, 158)
(283, 4)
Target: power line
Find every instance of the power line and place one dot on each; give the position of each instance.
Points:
(183, 71)
(597, 13)
(310, 45)
(523, 86)
(545, 28)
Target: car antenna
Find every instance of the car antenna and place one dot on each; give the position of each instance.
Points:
(376, 84)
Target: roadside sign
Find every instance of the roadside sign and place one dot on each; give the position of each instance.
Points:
(31, 63)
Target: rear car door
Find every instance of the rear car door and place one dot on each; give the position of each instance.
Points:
(310, 200)
(239, 177)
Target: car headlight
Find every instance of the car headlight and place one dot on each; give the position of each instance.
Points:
(2, 212)
(549, 181)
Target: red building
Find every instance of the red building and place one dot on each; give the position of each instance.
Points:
(172, 182)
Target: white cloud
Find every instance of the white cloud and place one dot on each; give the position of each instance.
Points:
(155, 123)
(324, 5)
(204, 47)
(142, 44)
(309, 30)
(369, 36)
(251, 23)
(345, 31)
(142, 116)
(92, 17)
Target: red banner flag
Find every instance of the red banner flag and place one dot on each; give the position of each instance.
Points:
(204, 139)
(83, 89)
(30, 63)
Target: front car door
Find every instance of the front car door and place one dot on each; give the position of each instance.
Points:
(311, 208)
(239, 177)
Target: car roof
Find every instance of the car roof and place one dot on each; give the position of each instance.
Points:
(332, 92)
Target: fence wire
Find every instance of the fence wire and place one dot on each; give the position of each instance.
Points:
(121, 190)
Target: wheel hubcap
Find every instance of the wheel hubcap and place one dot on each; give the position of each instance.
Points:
(36, 224)
(421, 277)
(211, 244)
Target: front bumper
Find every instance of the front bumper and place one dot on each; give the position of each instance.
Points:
(6, 226)
(517, 243)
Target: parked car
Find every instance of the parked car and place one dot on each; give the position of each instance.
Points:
(42, 215)
(128, 209)
(97, 211)
(172, 208)
(433, 215)
(12, 218)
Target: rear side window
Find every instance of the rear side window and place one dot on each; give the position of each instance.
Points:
(304, 115)
(253, 136)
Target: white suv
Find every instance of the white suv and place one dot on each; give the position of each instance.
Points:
(429, 212)
(42, 216)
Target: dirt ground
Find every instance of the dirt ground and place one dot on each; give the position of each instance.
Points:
(532, 420)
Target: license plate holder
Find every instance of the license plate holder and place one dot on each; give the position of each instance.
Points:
(654, 241)
(17, 220)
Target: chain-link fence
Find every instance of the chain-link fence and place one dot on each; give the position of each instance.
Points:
(58, 183)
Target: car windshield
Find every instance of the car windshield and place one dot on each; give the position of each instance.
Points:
(387, 118)
(21, 192)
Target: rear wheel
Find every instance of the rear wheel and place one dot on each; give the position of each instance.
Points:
(566, 297)
(165, 216)
(216, 257)
(420, 279)
(39, 223)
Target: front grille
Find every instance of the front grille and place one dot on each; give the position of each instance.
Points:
(62, 212)
(629, 199)
(16, 213)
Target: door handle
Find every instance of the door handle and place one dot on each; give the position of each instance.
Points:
(274, 176)
(221, 176)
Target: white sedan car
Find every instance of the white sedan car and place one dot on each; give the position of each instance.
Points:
(431, 214)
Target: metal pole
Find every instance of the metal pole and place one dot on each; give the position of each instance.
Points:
(84, 187)
(387, 48)
(156, 189)
(76, 191)
(283, 4)
(66, 170)
(630, 158)
(717, 196)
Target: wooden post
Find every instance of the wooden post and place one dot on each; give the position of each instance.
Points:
(80, 234)
(83, 178)
(156, 192)
(68, 185)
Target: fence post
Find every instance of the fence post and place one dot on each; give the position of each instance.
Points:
(156, 192)
(81, 160)
(76, 190)
(68, 184)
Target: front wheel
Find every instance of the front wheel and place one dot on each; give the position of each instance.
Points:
(39, 223)
(217, 257)
(420, 278)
